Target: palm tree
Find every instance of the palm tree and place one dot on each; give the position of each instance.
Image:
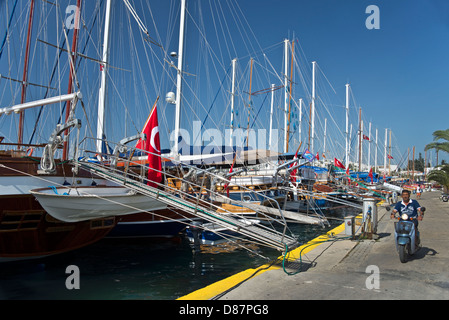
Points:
(440, 175)
(439, 135)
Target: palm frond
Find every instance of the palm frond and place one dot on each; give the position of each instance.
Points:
(441, 134)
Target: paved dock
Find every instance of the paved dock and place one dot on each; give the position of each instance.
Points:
(345, 269)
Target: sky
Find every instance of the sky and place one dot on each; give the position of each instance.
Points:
(399, 73)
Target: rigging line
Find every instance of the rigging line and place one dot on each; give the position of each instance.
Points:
(140, 23)
(7, 28)
(77, 68)
(213, 102)
(260, 108)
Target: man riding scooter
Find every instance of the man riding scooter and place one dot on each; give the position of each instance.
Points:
(410, 207)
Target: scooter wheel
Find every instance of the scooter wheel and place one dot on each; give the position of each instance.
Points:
(402, 253)
(445, 199)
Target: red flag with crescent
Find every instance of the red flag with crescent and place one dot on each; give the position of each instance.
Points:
(152, 145)
(338, 164)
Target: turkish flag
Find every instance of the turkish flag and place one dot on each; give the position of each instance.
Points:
(389, 157)
(338, 164)
(152, 145)
(370, 174)
(365, 137)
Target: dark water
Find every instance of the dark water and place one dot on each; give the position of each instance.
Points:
(135, 269)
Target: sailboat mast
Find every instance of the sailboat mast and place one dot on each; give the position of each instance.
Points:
(104, 70)
(290, 95)
(313, 103)
(325, 135)
(234, 62)
(25, 74)
(347, 129)
(271, 117)
(300, 120)
(286, 41)
(72, 64)
(385, 151)
(369, 146)
(360, 139)
(179, 76)
(249, 101)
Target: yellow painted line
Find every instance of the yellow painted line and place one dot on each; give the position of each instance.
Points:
(221, 286)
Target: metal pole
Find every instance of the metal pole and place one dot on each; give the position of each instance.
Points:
(104, 70)
(179, 76)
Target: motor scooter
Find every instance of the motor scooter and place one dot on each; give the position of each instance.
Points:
(406, 236)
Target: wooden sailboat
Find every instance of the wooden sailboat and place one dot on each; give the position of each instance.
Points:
(26, 229)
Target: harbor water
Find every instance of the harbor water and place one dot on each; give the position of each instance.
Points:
(136, 269)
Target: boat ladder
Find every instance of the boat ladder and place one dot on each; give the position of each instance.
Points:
(197, 207)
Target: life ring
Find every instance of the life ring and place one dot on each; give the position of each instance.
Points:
(30, 152)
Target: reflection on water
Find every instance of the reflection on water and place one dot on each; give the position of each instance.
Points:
(136, 269)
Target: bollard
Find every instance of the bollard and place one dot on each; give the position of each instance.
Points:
(370, 216)
(350, 226)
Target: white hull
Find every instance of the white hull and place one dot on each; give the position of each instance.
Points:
(17, 185)
(249, 181)
(86, 203)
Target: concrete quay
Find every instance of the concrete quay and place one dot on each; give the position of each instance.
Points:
(347, 269)
(354, 270)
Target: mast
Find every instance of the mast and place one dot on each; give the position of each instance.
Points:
(313, 103)
(271, 117)
(347, 127)
(389, 158)
(25, 74)
(72, 64)
(360, 139)
(249, 102)
(290, 95)
(369, 146)
(285, 93)
(325, 134)
(375, 152)
(104, 70)
(179, 76)
(385, 151)
(300, 119)
(234, 62)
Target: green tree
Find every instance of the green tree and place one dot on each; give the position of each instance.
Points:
(441, 176)
(437, 144)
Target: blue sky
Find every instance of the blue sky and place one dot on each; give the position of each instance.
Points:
(399, 74)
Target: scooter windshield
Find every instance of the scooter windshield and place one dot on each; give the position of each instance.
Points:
(404, 227)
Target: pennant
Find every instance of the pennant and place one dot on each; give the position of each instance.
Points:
(389, 157)
(152, 145)
(226, 186)
(293, 173)
(347, 173)
(365, 137)
(308, 156)
(338, 164)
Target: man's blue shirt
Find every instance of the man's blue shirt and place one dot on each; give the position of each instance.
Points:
(411, 209)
